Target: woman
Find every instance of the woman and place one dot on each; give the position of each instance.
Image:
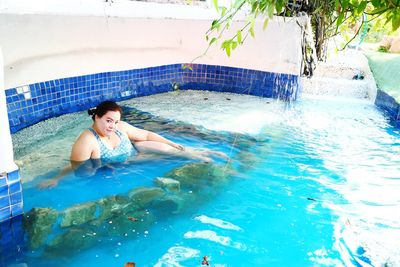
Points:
(109, 139)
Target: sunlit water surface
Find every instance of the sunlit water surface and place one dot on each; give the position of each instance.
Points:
(312, 183)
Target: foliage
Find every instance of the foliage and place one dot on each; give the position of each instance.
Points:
(328, 18)
(377, 29)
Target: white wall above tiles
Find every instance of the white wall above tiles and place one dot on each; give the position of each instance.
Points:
(6, 150)
(83, 37)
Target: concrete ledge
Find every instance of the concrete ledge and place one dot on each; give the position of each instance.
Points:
(30, 104)
(101, 8)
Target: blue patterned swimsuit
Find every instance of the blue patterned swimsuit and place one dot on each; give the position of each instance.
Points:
(120, 152)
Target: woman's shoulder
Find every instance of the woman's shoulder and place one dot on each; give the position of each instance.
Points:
(83, 146)
(123, 126)
(86, 136)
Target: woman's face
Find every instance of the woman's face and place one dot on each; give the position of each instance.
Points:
(107, 124)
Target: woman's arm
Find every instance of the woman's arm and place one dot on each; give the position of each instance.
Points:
(137, 135)
(83, 148)
(81, 152)
(54, 181)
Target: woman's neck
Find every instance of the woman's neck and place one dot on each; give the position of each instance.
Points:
(94, 127)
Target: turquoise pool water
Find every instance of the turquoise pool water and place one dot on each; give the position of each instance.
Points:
(317, 185)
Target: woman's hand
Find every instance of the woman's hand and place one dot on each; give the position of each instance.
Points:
(48, 184)
(179, 147)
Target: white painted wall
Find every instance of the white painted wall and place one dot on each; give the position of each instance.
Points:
(6, 149)
(56, 44)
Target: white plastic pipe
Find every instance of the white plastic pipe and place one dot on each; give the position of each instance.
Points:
(6, 149)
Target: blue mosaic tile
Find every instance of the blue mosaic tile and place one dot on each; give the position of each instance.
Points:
(4, 202)
(389, 105)
(17, 209)
(13, 176)
(57, 97)
(6, 237)
(5, 214)
(4, 190)
(3, 179)
(16, 198)
(15, 187)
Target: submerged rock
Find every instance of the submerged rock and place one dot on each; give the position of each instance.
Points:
(130, 225)
(71, 242)
(169, 204)
(38, 223)
(79, 214)
(197, 176)
(111, 206)
(168, 183)
(144, 196)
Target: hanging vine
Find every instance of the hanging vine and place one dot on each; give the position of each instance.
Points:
(327, 19)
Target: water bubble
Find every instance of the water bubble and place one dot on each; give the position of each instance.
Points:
(116, 255)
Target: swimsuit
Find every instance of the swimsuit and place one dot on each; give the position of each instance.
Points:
(120, 152)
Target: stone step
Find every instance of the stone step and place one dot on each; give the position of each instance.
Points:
(338, 71)
(339, 87)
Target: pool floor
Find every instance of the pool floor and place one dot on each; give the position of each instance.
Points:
(310, 183)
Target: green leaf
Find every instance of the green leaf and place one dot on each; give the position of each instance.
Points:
(239, 36)
(263, 5)
(337, 4)
(251, 30)
(238, 3)
(340, 19)
(278, 7)
(345, 4)
(379, 10)
(361, 7)
(234, 45)
(213, 40)
(225, 44)
(228, 23)
(228, 50)
(187, 66)
(223, 11)
(376, 3)
(265, 23)
(215, 2)
(254, 7)
(395, 21)
(271, 11)
(214, 24)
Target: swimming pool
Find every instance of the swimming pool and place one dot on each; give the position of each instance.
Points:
(311, 183)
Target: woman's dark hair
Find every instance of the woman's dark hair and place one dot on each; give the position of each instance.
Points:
(103, 108)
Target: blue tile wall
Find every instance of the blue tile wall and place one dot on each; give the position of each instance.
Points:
(48, 99)
(389, 105)
(11, 242)
(11, 202)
